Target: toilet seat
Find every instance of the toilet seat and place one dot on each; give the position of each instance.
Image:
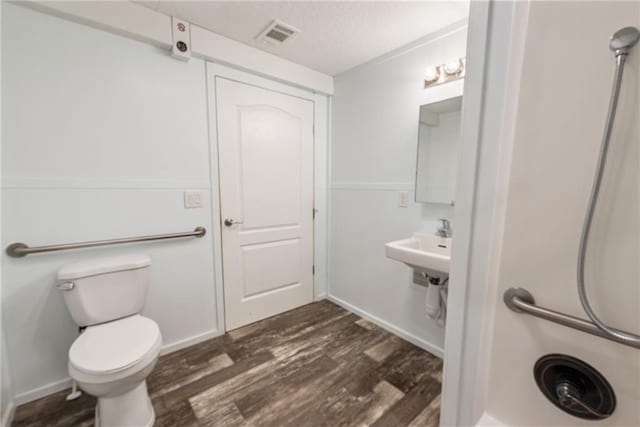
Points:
(115, 349)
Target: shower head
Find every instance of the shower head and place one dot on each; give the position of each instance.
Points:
(623, 40)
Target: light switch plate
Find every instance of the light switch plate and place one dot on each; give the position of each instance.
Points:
(193, 199)
(403, 199)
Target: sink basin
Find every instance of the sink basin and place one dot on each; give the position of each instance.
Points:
(424, 252)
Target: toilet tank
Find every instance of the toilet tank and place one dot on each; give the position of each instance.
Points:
(105, 289)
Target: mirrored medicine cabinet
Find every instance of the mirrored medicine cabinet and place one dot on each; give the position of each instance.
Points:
(437, 157)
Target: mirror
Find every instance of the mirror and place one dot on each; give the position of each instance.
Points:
(438, 137)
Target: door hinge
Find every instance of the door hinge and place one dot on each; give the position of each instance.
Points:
(313, 270)
(314, 212)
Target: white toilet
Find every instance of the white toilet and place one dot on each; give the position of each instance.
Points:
(118, 349)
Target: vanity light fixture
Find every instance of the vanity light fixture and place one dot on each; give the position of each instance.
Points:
(432, 74)
(452, 70)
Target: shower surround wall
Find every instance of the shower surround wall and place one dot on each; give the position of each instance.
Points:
(557, 136)
(373, 157)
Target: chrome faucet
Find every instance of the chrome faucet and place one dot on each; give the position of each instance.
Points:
(444, 229)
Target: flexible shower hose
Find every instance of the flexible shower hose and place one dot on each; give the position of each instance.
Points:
(593, 201)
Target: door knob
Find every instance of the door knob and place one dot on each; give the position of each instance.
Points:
(229, 222)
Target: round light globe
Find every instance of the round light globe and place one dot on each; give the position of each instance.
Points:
(431, 74)
(453, 66)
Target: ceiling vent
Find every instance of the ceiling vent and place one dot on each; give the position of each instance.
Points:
(277, 33)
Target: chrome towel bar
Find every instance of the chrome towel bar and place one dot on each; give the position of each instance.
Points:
(521, 301)
(18, 250)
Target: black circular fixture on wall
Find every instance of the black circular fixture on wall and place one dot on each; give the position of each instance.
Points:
(574, 386)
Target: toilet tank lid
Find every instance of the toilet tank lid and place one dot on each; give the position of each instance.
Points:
(97, 266)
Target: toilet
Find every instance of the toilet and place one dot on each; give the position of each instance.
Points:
(118, 347)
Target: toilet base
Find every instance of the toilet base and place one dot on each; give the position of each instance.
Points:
(132, 409)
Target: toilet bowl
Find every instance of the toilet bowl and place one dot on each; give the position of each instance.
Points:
(111, 361)
(118, 347)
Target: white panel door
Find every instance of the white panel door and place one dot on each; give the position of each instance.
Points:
(265, 145)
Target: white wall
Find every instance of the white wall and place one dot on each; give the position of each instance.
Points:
(559, 123)
(375, 114)
(101, 136)
(138, 22)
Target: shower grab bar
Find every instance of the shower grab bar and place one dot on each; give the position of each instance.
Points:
(521, 301)
(18, 250)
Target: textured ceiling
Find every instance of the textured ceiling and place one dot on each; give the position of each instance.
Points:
(335, 36)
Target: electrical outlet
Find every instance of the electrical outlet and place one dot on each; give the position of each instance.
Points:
(403, 199)
(193, 199)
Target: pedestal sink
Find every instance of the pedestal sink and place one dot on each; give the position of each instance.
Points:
(424, 252)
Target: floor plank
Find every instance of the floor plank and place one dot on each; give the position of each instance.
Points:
(429, 417)
(404, 411)
(317, 365)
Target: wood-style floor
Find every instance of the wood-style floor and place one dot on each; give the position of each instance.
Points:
(317, 365)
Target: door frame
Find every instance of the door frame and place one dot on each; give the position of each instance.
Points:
(321, 108)
(495, 39)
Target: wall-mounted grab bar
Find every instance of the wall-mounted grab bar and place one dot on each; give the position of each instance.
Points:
(18, 250)
(521, 301)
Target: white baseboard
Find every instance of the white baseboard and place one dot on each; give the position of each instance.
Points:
(188, 342)
(7, 416)
(45, 390)
(425, 345)
(54, 387)
(321, 296)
